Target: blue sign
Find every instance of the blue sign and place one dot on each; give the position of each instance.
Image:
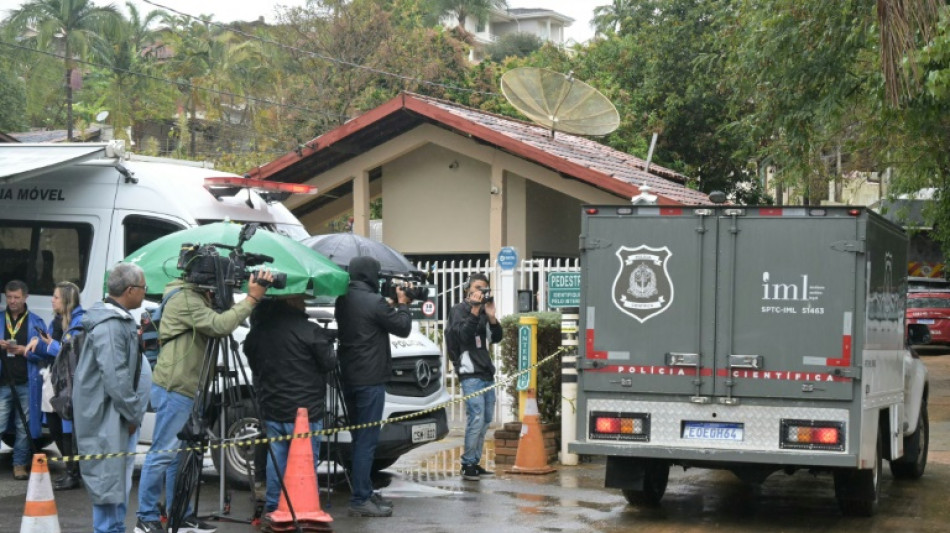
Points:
(507, 258)
(524, 356)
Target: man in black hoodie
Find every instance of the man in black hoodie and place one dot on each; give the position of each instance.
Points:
(290, 357)
(365, 319)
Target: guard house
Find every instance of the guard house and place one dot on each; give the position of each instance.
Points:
(458, 181)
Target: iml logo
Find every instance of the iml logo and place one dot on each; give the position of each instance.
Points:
(784, 291)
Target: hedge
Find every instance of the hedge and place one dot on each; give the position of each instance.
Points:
(549, 374)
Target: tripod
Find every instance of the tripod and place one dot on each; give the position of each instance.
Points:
(219, 387)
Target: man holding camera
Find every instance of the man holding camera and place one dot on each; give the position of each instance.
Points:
(365, 320)
(472, 327)
(189, 322)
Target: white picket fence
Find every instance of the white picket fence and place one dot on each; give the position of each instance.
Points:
(449, 276)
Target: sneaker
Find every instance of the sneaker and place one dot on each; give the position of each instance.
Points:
(381, 502)
(470, 472)
(369, 509)
(483, 472)
(149, 527)
(191, 524)
(20, 472)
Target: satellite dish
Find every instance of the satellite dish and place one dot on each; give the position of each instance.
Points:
(102, 116)
(559, 102)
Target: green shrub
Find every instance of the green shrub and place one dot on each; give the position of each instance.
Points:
(549, 374)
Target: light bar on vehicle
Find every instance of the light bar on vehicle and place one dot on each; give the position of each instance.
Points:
(231, 182)
(620, 426)
(812, 435)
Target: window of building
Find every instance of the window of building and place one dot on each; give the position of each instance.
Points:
(42, 254)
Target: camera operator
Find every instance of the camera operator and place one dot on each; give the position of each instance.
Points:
(189, 321)
(365, 320)
(472, 327)
(290, 357)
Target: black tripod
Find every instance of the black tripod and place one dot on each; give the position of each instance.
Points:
(219, 390)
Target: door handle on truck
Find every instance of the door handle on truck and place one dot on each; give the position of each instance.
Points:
(753, 362)
(682, 359)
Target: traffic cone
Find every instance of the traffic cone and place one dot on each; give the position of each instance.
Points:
(39, 514)
(531, 458)
(301, 482)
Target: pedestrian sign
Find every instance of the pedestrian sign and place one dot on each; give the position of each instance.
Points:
(564, 289)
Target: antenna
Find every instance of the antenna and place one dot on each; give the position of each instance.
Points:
(559, 102)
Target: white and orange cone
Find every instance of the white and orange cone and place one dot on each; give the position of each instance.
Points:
(531, 458)
(39, 514)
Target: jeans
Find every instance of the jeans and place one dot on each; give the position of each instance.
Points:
(172, 411)
(21, 446)
(364, 404)
(111, 518)
(281, 450)
(480, 411)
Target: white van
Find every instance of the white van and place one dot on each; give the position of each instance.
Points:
(69, 211)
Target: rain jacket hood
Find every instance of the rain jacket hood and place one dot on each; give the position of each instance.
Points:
(366, 270)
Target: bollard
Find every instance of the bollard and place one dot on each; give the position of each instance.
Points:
(569, 325)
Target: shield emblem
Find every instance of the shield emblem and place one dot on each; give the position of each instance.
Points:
(643, 288)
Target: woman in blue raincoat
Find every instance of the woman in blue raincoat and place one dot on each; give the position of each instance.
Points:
(66, 323)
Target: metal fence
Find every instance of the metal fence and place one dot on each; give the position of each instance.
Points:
(449, 276)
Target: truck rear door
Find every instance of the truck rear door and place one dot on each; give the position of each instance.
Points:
(785, 320)
(647, 305)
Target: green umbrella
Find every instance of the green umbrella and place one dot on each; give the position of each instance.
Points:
(307, 270)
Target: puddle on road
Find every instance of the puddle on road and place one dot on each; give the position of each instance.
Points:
(443, 465)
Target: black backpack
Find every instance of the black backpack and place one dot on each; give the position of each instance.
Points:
(62, 371)
(150, 330)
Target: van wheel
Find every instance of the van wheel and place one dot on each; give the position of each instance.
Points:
(916, 445)
(656, 475)
(239, 460)
(858, 490)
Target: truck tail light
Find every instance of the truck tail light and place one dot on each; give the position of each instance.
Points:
(812, 435)
(619, 426)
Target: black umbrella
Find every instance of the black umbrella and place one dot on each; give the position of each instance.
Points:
(342, 247)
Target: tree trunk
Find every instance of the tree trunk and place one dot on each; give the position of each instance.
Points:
(191, 126)
(69, 93)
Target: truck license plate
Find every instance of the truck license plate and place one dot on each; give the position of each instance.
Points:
(712, 431)
(423, 432)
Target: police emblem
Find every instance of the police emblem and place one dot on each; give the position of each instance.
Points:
(643, 288)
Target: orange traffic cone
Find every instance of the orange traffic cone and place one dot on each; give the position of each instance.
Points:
(39, 514)
(301, 482)
(531, 458)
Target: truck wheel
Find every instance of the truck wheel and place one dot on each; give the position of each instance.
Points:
(656, 474)
(241, 423)
(858, 490)
(916, 445)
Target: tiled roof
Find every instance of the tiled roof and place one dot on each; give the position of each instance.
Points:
(55, 136)
(576, 157)
(601, 158)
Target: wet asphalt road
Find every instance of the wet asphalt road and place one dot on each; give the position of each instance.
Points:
(429, 496)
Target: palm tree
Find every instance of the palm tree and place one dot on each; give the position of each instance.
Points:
(609, 18)
(126, 54)
(462, 9)
(902, 24)
(70, 27)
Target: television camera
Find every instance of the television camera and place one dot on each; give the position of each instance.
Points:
(204, 266)
(407, 282)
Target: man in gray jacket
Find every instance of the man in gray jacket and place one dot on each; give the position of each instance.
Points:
(110, 396)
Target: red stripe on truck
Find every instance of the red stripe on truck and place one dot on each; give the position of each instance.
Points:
(671, 211)
(652, 370)
(770, 212)
(589, 344)
(845, 359)
(781, 375)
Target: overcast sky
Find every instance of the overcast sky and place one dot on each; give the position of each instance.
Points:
(228, 10)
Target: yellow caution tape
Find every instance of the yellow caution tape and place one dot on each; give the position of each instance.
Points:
(226, 443)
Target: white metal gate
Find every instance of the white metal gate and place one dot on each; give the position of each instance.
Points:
(449, 276)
